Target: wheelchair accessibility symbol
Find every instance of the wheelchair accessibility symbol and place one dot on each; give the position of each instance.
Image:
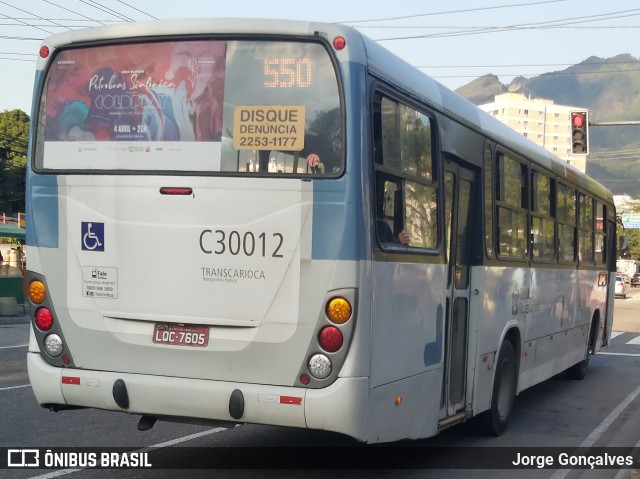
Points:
(92, 236)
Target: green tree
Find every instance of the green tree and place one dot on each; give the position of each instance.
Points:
(634, 243)
(14, 138)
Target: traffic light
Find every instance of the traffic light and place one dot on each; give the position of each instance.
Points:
(579, 132)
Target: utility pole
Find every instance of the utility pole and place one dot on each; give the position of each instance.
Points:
(614, 123)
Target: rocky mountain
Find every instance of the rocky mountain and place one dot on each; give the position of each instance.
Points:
(610, 89)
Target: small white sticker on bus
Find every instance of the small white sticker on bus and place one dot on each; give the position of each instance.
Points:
(99, 282)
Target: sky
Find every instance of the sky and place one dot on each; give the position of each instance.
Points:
(454, 41)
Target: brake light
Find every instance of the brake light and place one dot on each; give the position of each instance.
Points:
(44, 319)
(170, 190)
(330, 339)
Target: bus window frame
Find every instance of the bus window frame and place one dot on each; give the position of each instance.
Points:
(489, 203)
(603, 233)
(37, 138)
(502, 204)
(560, 185)
(378, 92)
(535, 214)
(589, 228)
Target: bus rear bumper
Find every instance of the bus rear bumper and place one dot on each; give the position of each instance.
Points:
(334, 408)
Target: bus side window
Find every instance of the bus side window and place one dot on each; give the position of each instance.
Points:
(405, 186)
(488, 199)
(585, 229)
(542, 217)
(512, 208)
(566, 218)
(601, 234)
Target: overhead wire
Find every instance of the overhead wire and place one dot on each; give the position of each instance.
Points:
(522, 26)
(459, 32)
(17, 59)
(35, 15)
(476, 30)
(90, 3)
(28, 21)
(526, 65)
(466, 10)
(7, 37)
(98, 6)
(137, 9)
(545, 74)
(16, 53)
(22, 22)
(73, 11)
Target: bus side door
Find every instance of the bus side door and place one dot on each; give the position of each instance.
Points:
(459, 202)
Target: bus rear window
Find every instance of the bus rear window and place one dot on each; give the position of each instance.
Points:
(236, 106)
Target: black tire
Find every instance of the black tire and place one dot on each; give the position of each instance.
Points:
(578, 372)
(504, 391)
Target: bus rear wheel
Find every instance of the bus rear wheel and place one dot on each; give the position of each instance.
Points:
(504, 391)
(578, 371)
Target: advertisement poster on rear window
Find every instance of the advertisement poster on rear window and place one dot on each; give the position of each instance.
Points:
(108, 107)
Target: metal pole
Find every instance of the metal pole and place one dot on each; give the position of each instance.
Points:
(614, 123)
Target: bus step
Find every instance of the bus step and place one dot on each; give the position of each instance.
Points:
(451, 421)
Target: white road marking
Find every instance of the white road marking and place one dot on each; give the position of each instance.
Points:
(635, 340)
(17, 346)
(16, 387)
(601, 429)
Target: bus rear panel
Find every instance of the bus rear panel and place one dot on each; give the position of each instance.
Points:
(179, 191)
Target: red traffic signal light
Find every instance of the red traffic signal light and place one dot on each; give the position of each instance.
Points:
(579, 132)
(578, 120)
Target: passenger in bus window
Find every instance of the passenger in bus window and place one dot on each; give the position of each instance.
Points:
(385, 233)
(403, 237)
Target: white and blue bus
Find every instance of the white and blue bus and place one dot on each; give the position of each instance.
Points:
(283, 223)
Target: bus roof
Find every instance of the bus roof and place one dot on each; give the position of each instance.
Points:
(158, 28)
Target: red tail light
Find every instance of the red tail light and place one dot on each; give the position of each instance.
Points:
(44, 319)
(330, 339)
(339, 43)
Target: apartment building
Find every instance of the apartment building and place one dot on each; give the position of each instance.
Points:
(540, 120)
